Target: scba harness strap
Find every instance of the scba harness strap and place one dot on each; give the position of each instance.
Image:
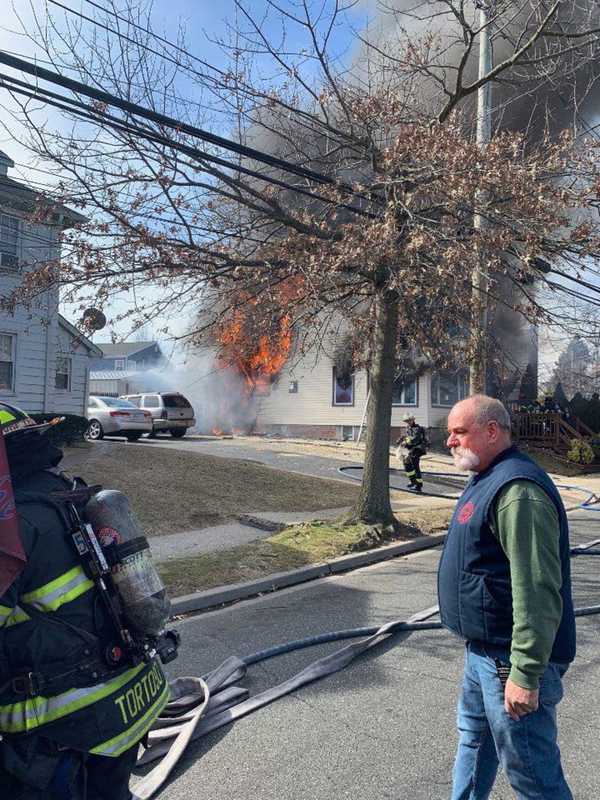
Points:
(100, 659)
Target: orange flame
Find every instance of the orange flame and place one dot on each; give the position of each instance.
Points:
(257, 359)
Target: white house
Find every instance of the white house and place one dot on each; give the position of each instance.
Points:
(44, 360)
(311, 400)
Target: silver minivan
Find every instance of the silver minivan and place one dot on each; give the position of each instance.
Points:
(170, 411)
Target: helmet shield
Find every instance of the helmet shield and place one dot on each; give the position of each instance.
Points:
(13, 420)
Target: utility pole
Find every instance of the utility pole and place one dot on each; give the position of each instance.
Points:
(477, 373)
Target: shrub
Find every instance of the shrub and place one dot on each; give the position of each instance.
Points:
(580, 452)
(70, 430)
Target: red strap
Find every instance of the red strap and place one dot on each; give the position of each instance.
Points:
(12, 555)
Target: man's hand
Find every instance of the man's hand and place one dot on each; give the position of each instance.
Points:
(518, 701)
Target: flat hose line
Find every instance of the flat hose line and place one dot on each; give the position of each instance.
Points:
(199, 706)
(586, 505)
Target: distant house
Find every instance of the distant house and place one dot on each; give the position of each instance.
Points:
(128, 357)
(44, 359)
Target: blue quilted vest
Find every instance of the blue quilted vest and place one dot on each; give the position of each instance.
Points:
(474, 573)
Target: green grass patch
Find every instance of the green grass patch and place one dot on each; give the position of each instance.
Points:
(297, 546)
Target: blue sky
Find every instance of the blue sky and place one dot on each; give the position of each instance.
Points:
(201, 21)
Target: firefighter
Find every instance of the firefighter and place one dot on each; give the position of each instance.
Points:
(414, 441)
(73, 708)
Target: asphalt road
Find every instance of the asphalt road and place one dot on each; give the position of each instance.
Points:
(304, 463)
(384, 727)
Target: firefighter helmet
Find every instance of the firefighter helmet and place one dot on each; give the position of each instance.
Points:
(408, 417)
(13, 420)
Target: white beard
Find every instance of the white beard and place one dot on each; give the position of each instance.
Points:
(465, 459)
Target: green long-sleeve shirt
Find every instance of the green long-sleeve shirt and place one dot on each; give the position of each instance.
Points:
(526, 524)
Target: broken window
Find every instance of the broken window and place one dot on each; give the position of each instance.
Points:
(404, 392)
(447, 388)
(343, 388)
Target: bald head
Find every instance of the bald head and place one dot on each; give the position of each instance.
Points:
(479, 430)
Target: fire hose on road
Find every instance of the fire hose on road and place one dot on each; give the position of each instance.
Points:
(199, 706)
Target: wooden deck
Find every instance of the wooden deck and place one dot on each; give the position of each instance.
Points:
(549, 430)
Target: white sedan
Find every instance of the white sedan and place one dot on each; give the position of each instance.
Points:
(113, 416)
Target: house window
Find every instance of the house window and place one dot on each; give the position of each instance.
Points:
(404, 392)
(447, 388)
(62, 378)
(120, 364)
(343, 388)
(7, 362)
(9, 241)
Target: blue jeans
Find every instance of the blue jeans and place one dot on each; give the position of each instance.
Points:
(527, 749)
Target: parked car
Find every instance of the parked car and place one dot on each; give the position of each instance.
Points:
(170, 411)
(117, 417)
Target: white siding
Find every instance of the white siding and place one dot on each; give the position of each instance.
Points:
(312, 404)
(39, 336)
(73, 400)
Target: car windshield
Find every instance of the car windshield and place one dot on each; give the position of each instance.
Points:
(115, 402)
(175, 401)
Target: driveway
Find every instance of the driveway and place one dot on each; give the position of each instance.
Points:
(384, 727)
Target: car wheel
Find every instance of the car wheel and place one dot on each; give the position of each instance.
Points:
(132, 437)
(94, 431)
(177, 433)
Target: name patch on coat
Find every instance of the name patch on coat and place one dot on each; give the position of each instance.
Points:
(139, 697)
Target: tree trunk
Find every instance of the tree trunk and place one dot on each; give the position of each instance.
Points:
(373, 504)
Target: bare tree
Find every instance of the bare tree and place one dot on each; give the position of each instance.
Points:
(352, 182)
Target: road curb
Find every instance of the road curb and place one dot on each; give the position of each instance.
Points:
(222, 595)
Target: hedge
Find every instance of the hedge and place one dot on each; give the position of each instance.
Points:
(70, 430)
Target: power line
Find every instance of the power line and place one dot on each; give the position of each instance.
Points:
(95, 114)
(162, 119)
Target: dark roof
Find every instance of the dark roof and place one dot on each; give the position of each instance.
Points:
(20, 196)
(123, 349)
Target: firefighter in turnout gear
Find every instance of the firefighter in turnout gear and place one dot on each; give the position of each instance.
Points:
(73, 703)
(411, 447)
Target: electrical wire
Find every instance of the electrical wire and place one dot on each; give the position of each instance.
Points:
(91, 114)
(135, 109)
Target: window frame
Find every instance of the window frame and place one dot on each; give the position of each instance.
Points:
(13, 363)
(17, 246)
(333, 383)
(69, 361)
(415, 380)
(122, 362)
(457, 374)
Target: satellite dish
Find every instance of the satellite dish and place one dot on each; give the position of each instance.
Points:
(94, 319)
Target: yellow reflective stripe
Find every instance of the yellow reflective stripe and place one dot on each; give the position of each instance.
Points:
(27, 715)
(51, 596)
(6, 416)
(5, 613)
(17, 616)
(55, 586)
(118, 744)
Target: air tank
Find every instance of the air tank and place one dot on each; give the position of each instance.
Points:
(143, 596)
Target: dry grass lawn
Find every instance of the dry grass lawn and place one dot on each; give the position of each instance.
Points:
(174, 491)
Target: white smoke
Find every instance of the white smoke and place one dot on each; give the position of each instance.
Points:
(219, 396)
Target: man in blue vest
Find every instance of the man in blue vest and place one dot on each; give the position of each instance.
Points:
(504, 586)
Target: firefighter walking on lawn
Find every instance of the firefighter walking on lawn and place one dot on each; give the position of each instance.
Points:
(412, 446)
(74, 704)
